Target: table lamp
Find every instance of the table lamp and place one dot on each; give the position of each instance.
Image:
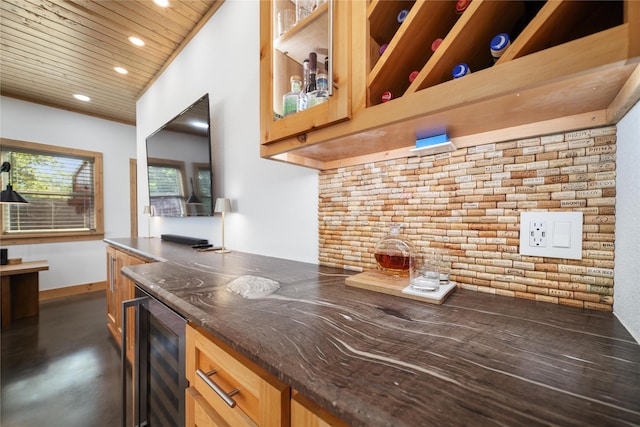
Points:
(222, 206)
(148, 211)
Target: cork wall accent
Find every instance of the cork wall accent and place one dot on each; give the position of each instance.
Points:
(467, 203)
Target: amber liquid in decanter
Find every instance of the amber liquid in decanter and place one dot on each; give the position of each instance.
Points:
(393, 253)
(395, 265)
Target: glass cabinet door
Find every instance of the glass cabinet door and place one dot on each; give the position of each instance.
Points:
(304, 82)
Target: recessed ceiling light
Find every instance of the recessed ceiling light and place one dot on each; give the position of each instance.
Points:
(136, 41)
(84, 98)
(121, 70)
(162, 3)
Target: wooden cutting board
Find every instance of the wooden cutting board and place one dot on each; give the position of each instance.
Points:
(398, 286)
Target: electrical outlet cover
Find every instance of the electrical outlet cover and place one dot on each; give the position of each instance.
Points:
(551, 234)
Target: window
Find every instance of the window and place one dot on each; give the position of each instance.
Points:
(203, 187)
(167, 187)
(63, 187)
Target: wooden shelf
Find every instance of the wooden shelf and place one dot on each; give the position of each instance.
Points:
(468, 41)
(563, 21)
(410, 48)
(311, 31)
(382, 16)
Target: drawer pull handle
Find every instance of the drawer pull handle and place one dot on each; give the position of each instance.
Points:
(217, 389)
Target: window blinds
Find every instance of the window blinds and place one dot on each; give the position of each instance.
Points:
(60, 190)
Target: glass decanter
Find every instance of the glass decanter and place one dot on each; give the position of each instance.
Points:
(393, 252)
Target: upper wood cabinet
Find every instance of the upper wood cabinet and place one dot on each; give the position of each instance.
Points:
(570, 65)
(325, 31)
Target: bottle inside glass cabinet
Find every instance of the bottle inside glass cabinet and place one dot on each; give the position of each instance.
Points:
(321, 94)
(290, 99)
(393, 253)
(302, 97)
(299, 48)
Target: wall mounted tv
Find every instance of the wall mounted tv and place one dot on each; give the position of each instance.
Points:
(179, 164)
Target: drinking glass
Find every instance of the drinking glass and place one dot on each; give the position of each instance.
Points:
(424, 270)
(286, 20)
(304, 8)
(445, 268)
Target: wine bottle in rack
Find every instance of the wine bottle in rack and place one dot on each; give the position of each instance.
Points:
(402, 15)
(498, 45)
(460, 70)
(435, 44)
(462, 5)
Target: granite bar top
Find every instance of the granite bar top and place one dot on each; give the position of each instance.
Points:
(379, 360)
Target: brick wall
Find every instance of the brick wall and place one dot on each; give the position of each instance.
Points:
(468, 204)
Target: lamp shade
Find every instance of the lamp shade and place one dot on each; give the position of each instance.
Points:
(222, 205)
(193, 199)
(10, 196)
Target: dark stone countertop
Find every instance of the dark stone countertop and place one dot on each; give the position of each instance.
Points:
(378, 360)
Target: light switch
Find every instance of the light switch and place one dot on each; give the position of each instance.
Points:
(551, 234)
(561, 234)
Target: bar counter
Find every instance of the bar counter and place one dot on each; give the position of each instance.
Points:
(378, 360)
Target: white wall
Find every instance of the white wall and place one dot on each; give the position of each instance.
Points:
(626, 298)
(75, 263)
(275, 203)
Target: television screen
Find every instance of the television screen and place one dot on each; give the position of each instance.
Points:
(179, 164)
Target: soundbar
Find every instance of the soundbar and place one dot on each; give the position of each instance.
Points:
(184, 239)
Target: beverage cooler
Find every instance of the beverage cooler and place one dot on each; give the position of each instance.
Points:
(158, 370)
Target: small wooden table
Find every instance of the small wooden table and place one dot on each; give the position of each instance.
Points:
(19, 290)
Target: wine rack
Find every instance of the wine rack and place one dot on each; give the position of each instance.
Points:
(466, 37)
(571, 64)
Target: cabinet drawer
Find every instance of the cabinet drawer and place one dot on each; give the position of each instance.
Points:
(253, 397)
(200, 413)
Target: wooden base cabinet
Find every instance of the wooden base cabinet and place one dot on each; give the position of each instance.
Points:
(119, 289)
(199, 413)
(113, 296)
(228, 389)
(236, 392)
(306, 413)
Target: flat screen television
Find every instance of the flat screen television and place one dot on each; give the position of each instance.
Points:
(179, 166)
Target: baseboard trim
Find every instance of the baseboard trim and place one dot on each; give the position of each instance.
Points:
(71, 290)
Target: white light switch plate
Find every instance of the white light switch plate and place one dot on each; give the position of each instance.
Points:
(562, 234)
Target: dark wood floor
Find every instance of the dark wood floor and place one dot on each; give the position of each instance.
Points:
(61, 368)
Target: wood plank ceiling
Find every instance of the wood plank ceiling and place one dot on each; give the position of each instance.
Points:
(53, 49)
